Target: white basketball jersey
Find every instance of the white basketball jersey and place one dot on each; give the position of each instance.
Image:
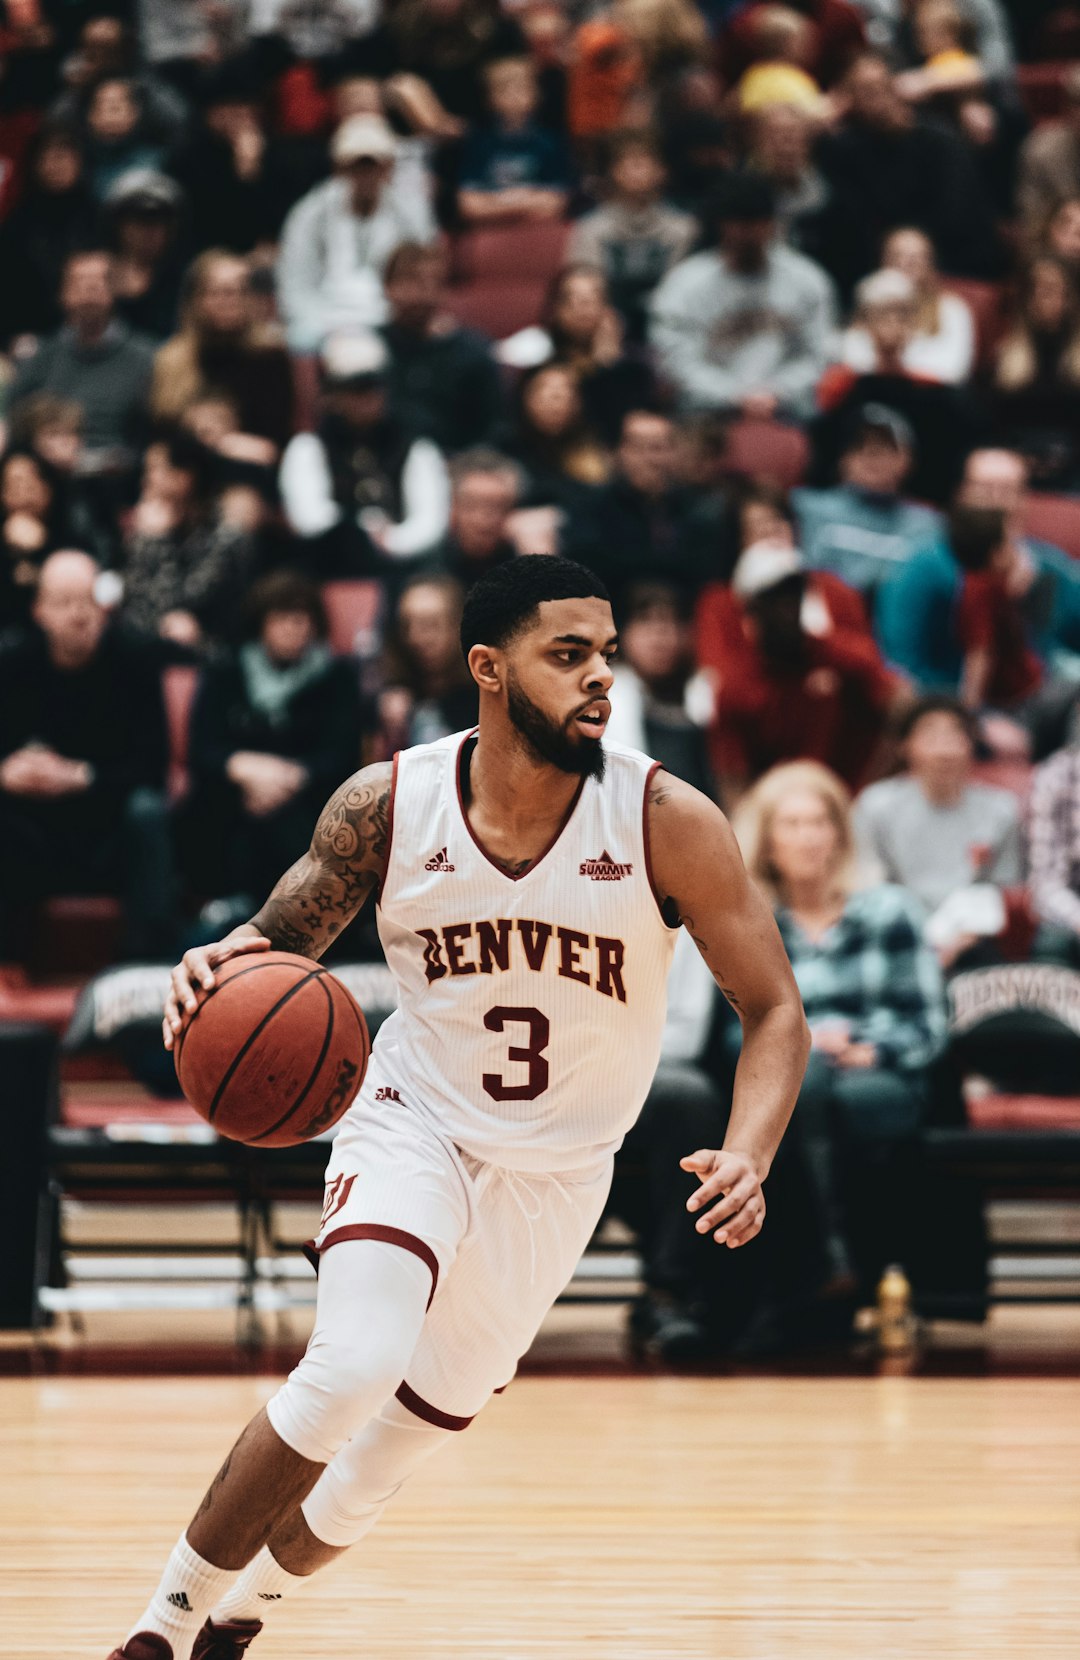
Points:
(531, 1008)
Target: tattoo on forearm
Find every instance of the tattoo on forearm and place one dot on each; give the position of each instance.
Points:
(323, 891)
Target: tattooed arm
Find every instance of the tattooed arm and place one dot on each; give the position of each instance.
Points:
(313, 901)
(702, 883)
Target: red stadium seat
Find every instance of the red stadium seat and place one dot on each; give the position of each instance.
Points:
(48, 1005)
(75, 934)
(498, 309)
(768, 449)
(179, 685)
(1042, 89)
(1054, 519)
(1023, 1112)
(353, 610)
(514, 253)
(305, 374)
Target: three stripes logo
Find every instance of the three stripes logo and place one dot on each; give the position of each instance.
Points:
(439, 861)
(604, 869)
(179, 1599)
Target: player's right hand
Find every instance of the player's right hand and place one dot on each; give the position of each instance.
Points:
(195, 972)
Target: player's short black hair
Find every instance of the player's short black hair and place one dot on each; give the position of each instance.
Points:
(506, 600)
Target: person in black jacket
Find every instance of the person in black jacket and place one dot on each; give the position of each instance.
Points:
(276, 727)
(82, 762)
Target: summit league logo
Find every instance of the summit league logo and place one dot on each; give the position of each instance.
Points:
(604, 869)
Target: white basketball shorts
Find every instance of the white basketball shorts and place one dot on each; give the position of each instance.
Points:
(500, 1245)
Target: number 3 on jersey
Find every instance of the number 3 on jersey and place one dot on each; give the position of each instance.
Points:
(530, 1054)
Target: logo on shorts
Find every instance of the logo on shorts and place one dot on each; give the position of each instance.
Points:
(604, 869)
(385, 1093)
(337, 1194)
(439, 861)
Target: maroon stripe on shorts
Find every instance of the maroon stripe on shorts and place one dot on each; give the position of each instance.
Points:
(386, 1236)
(431, 1414)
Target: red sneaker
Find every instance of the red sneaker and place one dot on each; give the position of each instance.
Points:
(145, 1645)
(227, 1641)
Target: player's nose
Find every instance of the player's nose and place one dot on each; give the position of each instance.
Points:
(600, 675)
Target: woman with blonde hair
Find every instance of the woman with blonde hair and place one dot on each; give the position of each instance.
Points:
(873, 996)
(220, 349)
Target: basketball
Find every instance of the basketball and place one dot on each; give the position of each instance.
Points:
(275, 1053)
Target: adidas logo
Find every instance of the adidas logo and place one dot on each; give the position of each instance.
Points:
(179, 1599)
(604, 869)
(440, 862)
(269, 1596)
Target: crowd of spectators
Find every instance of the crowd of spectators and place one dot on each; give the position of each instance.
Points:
(807, 364)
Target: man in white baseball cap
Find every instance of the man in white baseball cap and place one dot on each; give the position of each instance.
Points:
(336, 241)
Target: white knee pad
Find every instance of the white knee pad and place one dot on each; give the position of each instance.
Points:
(354, 1490)
(372, 1301)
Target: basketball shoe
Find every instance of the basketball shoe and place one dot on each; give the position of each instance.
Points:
(227, 1641)
(145, 1645)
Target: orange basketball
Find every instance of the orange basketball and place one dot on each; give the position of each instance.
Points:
(275, 1053)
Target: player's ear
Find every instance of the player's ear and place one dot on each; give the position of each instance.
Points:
(485, 666)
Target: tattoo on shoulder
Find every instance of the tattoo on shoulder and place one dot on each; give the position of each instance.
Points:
(659, 791)
(323, 891)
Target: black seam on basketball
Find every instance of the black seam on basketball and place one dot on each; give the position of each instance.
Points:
(314, 1074)
(188, 1024)
(263, 1023)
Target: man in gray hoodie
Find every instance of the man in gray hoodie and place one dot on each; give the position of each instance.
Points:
(746, 327)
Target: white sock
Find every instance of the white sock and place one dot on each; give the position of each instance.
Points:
(263, 1583)
(188, 1590)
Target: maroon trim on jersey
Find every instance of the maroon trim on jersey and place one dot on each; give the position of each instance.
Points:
(431, 1414)
(494, 863)
(385, 1236)
(389, 824)
(657, 766)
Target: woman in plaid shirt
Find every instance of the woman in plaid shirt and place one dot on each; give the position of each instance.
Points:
(874, 999)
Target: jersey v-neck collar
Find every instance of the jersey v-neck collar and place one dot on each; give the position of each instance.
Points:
(460, 761)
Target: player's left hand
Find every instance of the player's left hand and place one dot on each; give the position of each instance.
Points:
(730, 1179)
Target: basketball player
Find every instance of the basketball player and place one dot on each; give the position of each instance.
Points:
(530, 880)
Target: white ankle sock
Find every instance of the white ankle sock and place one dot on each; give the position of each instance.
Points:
(263, 1583)
(188, 1590)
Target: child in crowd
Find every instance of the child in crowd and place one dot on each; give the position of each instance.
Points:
(513, 168)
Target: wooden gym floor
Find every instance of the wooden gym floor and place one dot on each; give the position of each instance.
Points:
(592, 1518)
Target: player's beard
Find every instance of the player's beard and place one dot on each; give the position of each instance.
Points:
(551, 742)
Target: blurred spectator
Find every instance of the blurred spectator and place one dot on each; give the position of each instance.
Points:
(428, 691)
(275, 729)
(82, 762)
(781, 149)
(950, 841)
(660, 701)
(561, 455)
(863, 528)
(184, 567)
(889, 27)
(782, 43)
(1049, 167)
(1061, 235)
(443, 379)
(635, 237)
(180, 36)
(917, 607)
(143, 213)
(746, 327)
(221, 350)
(362, 486)
(942, 344)
(433, 54)
(119, 134)
(636, 526)
(95, 361)
(252, 180)
(484, 489)
(836, 34)
(1054, 851)
(944, 421)
(873, 997)
(107, 48)
(890, 169)
(336, 241)
(1036, 376)
(795, 687)
(1000, 670)
(53, 217)
(584, 331)
(32, 525)
(512, 168)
